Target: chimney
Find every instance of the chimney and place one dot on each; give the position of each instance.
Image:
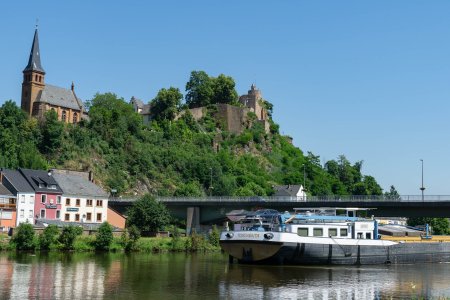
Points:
(49, 172)
(91, 176)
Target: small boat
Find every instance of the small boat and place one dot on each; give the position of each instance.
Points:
(324, 236)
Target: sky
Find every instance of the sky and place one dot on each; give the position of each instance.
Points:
(366, 79)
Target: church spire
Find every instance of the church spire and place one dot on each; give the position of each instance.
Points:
(34, 62)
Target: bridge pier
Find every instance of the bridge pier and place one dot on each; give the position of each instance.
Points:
(193, 220)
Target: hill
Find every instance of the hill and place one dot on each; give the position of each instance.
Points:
(174, 154)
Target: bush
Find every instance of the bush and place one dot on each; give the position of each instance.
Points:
(214, 236)
(68, 236)
(24, 238)
(49, 238)
(104, 237)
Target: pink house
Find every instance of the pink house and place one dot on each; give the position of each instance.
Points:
(47, 203)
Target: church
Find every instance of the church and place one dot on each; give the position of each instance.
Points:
(39, 97)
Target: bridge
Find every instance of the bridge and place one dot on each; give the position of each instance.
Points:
(213, 210)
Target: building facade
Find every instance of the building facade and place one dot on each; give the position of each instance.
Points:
(47, 204)
(24, 193)
(82, 200)
(39, 97)
(7, 209)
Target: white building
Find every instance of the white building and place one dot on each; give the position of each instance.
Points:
(82, 200)
(24, 192)
(295, 192)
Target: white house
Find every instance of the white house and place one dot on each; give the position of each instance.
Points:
(24, 192)
(82, 200)
(295, 192)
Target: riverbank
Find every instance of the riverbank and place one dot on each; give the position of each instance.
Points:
(143, 244)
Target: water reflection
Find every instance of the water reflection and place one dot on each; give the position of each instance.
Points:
(186, 276)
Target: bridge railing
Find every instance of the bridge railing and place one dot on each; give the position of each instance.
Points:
(276, 199)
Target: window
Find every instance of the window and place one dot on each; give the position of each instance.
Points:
(89, 202)
(75, 117)
(68, 201)
(368, 235)
(89, 216)
(302, 231)
(30, 213)
(63, 116)
(77, 217)
(344, 232)
(99, 217)
(22, 213)
(52, 186)
(77, 202)
(42, 213)
(22, 198)
(332, 232)
(58, 214)
(32, 199)
(43, 198)
(66, 217)
(99, 202)
(58, 199)
(317, 231)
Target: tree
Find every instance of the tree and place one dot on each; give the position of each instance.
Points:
(199, 89)
(68, 236)
(165, 105)
(438, 225)
(49, 237)
(24, 238)
(224, 90)
(104, 237)
(392, 194)
(52, 133)
(147, 214)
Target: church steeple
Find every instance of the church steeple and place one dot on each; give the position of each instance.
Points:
(34, 62)
(33, 77)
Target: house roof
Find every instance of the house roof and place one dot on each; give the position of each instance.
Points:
(76, 185)
(4, 191)
(17, 180)
(60, 97)
(41, 181)
(34, 62)
(287, 190)
(137, 102)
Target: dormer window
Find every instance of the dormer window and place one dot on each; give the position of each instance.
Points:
(41, 185)
(52, 186)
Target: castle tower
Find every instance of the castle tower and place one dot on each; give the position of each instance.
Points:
(253, 101)
(33, 77)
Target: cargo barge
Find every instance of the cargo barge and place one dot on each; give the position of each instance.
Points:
(322, 236)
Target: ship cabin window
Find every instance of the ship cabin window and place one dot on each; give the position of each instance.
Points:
(359, 235)
(332, 232)
(302, 231)
(343, 232)
(368, 235)
(317, 231)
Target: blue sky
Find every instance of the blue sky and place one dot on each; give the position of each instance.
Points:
(367, 79)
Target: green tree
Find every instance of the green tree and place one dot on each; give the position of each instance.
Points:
(68, 236)
(52, 133)
(165, 106)
(147, 214)
(438, 225)
(24, 237)
(104, 237)
(224, 90)
(49, 237)
(392, 194)
(199, 89)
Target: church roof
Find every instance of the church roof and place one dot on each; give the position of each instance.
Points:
(34, 62)
(58, 96)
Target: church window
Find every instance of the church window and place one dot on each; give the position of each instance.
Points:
(63, 116)
(36, 77)
(75, 117)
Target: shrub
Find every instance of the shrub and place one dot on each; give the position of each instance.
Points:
(104, 237)
(24, 238)
(214, 236)
(49, 237)
(68, 236)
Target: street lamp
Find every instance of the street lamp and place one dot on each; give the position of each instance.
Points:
(422, 188)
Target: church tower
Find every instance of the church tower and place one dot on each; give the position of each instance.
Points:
(33, 77)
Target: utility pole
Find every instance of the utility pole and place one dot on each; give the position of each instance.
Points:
(422, 188)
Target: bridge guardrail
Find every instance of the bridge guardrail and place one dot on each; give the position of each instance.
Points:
(276, 199)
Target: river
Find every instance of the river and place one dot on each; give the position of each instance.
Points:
(207, 276)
